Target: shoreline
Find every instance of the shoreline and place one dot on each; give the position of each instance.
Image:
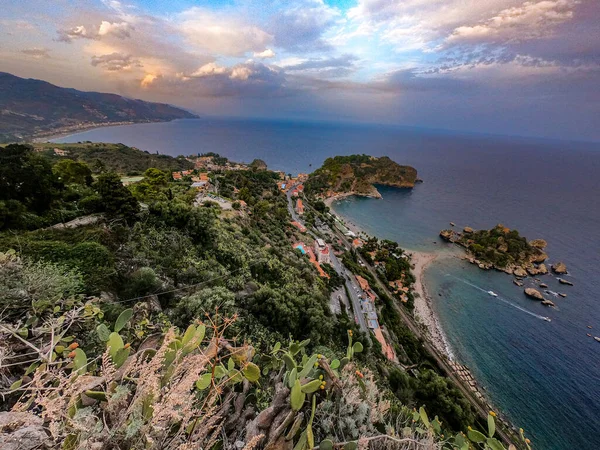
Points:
(424, 311)
(76, 129)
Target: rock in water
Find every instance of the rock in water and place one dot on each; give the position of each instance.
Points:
(534, 293)
(567, 282)
(468, 229)
(547, 303)
(518, 282)
(520, 272)
(559, 268)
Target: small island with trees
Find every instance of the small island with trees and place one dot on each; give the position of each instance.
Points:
(358, 175)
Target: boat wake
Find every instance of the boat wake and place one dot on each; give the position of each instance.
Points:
(503, 300)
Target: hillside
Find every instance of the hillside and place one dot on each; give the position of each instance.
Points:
(357, 174)
(113, 157)
(30, 107)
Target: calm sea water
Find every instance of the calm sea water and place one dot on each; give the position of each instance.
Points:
(544, 376)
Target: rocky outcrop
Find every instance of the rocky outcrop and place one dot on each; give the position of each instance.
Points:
(534, 293)
(518, 282)
(22, 431)
(537, 256)
(559, 268)
(449, 235)
(519, 272)
(537, 270)
(563, 281)
(468, 230)
(538, 243)
(547, 303)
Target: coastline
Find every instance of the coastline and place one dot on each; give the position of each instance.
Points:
(424, 311)
(75, 129)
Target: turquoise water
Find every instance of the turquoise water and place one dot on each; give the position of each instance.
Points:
(544, 376)
(301, 248)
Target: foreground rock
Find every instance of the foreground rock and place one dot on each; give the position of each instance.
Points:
(559, 268)
(22, 431)
(534, 293)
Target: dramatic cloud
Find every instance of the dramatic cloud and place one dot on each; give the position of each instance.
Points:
(115, 62)
(443, 63)
(38, 53)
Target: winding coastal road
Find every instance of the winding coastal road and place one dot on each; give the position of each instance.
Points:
(349, 279)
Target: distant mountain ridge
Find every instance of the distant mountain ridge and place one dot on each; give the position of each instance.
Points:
(30, 108)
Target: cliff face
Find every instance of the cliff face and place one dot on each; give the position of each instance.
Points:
(29, 107)
(358, 174)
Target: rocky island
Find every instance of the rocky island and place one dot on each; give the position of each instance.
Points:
(501, 248)
(357, 175)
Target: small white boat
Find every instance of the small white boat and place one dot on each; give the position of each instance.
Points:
(597, 338)
(492, 293)
(547, 319)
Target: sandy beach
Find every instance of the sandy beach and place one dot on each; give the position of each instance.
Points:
(423, 307)
(424, 311)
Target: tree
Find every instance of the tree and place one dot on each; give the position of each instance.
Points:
(117, 200)
(73, 172)
(27, 178)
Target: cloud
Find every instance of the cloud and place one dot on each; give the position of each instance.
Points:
(249, 79)
(38, 53)
(208, 70)
(120, 30)
(78, 32)
(115, 62)
(300, 28)
(220, 33)
(338, 66)
(530, 20)
(268, 53)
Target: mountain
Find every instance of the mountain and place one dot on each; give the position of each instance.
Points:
(30, 108)
(357, 174)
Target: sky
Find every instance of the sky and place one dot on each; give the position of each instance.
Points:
(513, 67)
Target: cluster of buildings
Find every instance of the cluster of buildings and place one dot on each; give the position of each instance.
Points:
(318, 256)
(201, 182)
(367, 306)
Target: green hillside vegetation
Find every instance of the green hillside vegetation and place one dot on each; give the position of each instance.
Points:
(114, 157)
(358, 174)
(174, 326)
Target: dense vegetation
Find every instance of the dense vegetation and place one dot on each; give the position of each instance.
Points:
(101, 157)
(159, 324)
(358, 174)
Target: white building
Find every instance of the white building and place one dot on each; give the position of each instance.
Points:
(322, 251)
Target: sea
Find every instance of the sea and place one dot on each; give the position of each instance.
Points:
(543, 376)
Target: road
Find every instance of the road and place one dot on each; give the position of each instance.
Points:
(350, 281)
(440, 358)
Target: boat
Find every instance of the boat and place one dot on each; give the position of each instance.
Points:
(547, 319)
(452, 223)
(492, 293)
(597, 338)
(588, 335)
